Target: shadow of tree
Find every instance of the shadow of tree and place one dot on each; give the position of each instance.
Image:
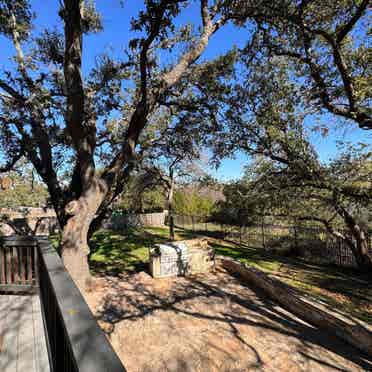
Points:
(331, 283)
(248, 307)
(112, 253)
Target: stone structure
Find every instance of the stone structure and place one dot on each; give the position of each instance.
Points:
(181, 258)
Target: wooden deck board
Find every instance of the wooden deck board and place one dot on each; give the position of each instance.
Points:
(41, 354)
(23, 345)
(8, 356)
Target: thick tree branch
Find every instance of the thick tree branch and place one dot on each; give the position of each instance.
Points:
(345, 76)
(334, 41)
(342, 31)
(12, 92)
(169, 79)
(82, 132)
(327, 225)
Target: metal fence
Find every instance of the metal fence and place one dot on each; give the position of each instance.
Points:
(313, 242)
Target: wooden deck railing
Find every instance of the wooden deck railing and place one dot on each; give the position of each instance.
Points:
(18, 264)
(75, 341)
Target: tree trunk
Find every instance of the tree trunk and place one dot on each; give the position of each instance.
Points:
(359, 247)
(171, 227)
(359, 243)
(170, 209)
(74, 247)
(263, 232)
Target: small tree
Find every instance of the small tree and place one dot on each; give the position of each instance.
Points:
(190, 200)
(240, 206)
(172, 156)
(140, 196)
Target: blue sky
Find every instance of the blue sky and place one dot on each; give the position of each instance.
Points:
(115, 37)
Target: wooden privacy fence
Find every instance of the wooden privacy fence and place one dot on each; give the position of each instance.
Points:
(18, 264)
(75, 341)
(121, 222)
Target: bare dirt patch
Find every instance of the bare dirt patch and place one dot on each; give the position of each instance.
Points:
(210, 322)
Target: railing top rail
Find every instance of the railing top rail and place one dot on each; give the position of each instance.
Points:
(90, 347)
(18, 240)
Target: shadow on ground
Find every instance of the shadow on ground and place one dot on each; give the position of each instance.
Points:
(337, 286)
(112, 253)
(212, 322)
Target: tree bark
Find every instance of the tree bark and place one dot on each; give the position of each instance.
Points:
(170, 208)
(359, 247)
(358, 243)
(74, 245)
(75, 251)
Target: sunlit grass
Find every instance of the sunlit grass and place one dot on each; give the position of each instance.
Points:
(113, 253)
(341, 288)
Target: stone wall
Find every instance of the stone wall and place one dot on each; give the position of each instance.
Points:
(355, 332)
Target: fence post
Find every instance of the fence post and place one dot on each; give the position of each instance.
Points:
(295, 238)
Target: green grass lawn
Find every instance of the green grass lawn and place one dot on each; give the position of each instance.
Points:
(341, 288)
(114, 253)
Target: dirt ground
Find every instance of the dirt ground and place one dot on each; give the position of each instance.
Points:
(213, 323)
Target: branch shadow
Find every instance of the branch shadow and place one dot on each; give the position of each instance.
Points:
(138, 301)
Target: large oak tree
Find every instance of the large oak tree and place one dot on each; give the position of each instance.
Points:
(61, 118)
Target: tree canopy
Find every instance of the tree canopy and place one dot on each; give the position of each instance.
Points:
(55, 116)
(85, 132)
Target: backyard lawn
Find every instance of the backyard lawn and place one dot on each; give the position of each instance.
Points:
(114, 253)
